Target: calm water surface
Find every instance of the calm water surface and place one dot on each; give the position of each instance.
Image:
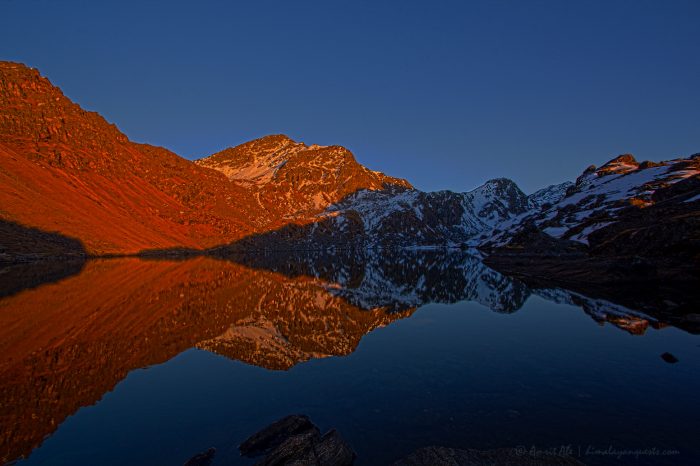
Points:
(150, 362)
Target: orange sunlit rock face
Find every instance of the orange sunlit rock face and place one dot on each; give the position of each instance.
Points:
(294, 180)
(69, 171)
(64, 345)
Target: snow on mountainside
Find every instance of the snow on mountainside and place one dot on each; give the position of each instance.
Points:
(331, 200)
(397, 217)
(292, 179)
(600, 195)
(417, 218)
(549, 195)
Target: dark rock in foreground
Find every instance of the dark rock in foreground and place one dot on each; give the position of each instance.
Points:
(202, 459)
(333, 450)
(275, 434)
(443, 456)
(295, 440)
(669, 358)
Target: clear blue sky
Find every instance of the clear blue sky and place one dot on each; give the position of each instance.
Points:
(446, 94)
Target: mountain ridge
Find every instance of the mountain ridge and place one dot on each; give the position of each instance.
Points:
(68, 171)
(296, 179)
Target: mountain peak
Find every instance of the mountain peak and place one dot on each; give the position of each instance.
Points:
(623, 158)
(498, 198)
(501, 182)
(501, 187)
(271, 139)
(301, 178)
(624, 163)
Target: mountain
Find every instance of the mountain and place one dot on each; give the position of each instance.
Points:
(69, 171)
(626, 227)
(400, 217)
(548, 196)
(294, 180)
(603, 196)
(73, 184)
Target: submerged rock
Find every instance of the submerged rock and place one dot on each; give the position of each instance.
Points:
(202, 459)
(669, 358)
(295, 440)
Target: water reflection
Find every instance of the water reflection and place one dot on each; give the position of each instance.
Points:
(68, 341)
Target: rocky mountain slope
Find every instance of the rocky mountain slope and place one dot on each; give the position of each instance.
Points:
(626, 227)
(69, 171)
(430, 218)
(294, 180)
(602, 196)
(400, 217)
(545, 197)
(73, 184)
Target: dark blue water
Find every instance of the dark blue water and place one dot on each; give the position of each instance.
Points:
(544, 376)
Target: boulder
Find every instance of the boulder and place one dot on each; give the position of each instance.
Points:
(275, 434)
(295, 440)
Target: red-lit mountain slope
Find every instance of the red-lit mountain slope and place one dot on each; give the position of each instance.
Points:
(296, 180)
(68, 171)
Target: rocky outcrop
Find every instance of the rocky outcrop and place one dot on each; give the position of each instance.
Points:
(295, 440)
(275, 434)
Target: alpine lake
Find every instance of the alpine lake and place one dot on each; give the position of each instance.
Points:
(148, 362)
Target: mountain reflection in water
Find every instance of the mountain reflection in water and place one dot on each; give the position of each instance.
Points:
(68, 341)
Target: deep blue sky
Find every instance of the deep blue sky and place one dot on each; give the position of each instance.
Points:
(446, 94)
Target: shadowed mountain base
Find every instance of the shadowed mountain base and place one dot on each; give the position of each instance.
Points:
(19, 243)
